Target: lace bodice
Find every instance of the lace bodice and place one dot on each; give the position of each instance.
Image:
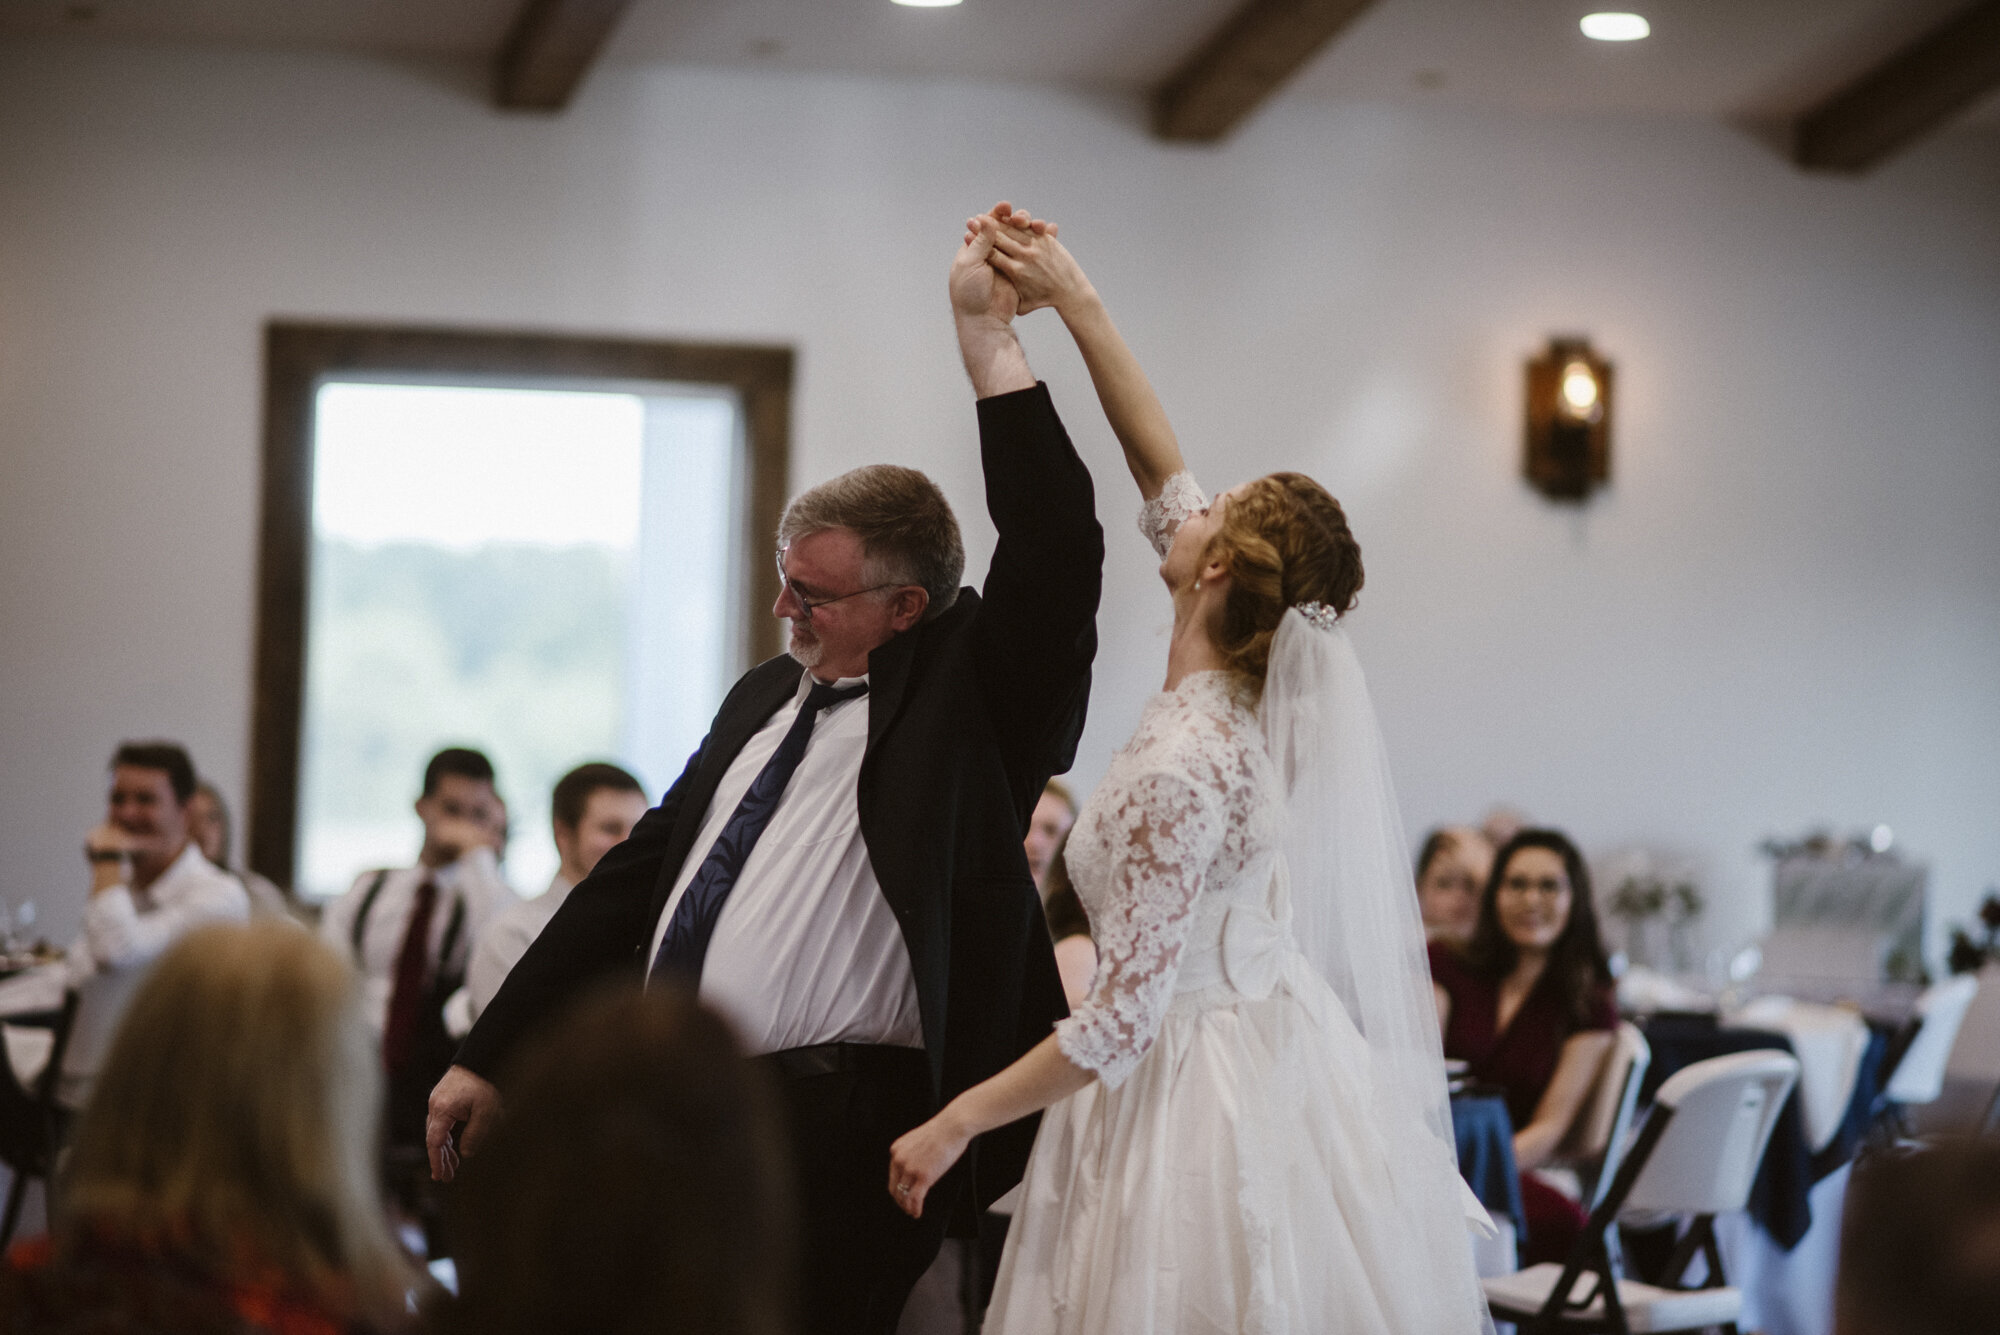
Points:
(1184, 825)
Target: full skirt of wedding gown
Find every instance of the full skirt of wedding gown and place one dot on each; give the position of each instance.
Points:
(1232, 1168)
(1235, 1182)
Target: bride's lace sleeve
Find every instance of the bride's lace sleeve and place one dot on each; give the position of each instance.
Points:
(1161, 517)
(1167, 831)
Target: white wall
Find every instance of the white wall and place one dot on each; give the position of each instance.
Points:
(1785, 610)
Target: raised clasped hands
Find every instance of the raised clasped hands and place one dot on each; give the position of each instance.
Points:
(1024, 251)
(978, 291)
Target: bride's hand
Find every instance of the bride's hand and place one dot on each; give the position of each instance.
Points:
(1041, 269)
(919, 1158)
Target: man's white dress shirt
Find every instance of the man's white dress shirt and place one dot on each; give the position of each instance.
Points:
(805, 949)
(125, 928)
(124, 931)
(507, 938)
(473, 880)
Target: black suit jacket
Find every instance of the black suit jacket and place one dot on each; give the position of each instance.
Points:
(968, 716)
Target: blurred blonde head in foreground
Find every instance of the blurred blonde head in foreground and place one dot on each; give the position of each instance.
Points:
(234, 1130)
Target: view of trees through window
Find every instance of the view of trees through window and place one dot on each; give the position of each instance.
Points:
(544, 574)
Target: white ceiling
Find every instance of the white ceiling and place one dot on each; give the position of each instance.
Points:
(1740, 59)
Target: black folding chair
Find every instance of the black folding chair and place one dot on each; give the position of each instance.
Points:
(32, 1124)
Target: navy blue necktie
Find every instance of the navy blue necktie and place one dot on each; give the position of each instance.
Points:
(685, 945)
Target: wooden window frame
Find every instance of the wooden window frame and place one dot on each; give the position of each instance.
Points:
(300, 357)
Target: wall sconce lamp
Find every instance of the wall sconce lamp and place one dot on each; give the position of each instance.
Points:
(1569, 420)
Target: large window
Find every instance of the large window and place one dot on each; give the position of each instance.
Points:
(547, 565)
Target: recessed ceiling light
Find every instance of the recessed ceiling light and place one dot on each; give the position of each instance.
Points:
(927, 4)
(1615, 27)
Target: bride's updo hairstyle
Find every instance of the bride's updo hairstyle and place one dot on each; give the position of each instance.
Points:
(1285, 541)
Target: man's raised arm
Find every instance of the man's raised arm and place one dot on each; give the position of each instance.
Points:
(1037, 618)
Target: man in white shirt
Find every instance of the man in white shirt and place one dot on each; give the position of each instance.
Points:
(409, 930)
(150, 885)
(592, 811)
(839, 869)
(149, 880)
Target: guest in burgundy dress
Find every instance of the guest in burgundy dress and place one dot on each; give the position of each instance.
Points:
(1528, 1006)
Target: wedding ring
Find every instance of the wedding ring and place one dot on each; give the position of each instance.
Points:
(904, 1189)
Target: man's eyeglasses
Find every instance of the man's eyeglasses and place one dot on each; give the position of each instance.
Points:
(813, 604)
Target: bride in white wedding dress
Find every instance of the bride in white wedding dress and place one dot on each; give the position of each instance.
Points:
(1246, 1127)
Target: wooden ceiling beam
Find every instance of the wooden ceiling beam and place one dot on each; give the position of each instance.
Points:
(1250, 57)
(550, 49)
(1905, 97)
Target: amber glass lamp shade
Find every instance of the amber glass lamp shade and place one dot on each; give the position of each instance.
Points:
(1568, 451)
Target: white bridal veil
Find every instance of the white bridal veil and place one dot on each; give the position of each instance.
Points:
(1354, 907)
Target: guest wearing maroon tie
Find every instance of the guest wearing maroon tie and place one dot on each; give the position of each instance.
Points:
(409, 931)
(1529, 1007)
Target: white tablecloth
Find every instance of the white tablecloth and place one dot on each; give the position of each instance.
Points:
(1829, 1041)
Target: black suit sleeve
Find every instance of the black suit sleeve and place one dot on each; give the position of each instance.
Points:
(1037, 631)
(599, 930)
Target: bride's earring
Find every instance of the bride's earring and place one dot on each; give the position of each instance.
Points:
(1197, 584)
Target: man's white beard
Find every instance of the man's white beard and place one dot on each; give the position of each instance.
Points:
(806, 652)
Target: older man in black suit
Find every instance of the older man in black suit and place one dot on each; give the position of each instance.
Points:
(839, 868)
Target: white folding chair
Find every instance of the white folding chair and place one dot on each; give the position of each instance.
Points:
(1919, 1075)
(1615, 1103)
(1696, 1155)
(1586, 1158)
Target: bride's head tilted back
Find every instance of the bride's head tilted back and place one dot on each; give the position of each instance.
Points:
(1285, 541)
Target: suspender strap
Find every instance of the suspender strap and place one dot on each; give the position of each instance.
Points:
(452, 928)
(368, 897)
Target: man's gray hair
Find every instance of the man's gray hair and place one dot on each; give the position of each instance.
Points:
(907, 530)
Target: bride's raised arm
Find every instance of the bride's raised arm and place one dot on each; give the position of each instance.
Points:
(1042, 269)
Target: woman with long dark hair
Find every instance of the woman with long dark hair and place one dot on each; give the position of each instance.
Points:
(1529, 1008)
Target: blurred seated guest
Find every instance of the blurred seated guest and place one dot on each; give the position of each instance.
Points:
(1048, 825)
(210, 827)
(1452, 870)
(149, 885)
(592, 811)
(222, 1178)
(1529, 1008)
(1920, 1242)
(1069, 926)
(411, 929)
(149, 881)
(638, 1183)
(1503, 823)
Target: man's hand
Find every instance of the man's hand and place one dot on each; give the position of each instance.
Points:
(983, 304)
(977, 291)
(109, 851)
(460, 1097)
(455, 836)
(1052, 280)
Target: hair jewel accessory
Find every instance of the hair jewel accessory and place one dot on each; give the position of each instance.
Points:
(1320, 615)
